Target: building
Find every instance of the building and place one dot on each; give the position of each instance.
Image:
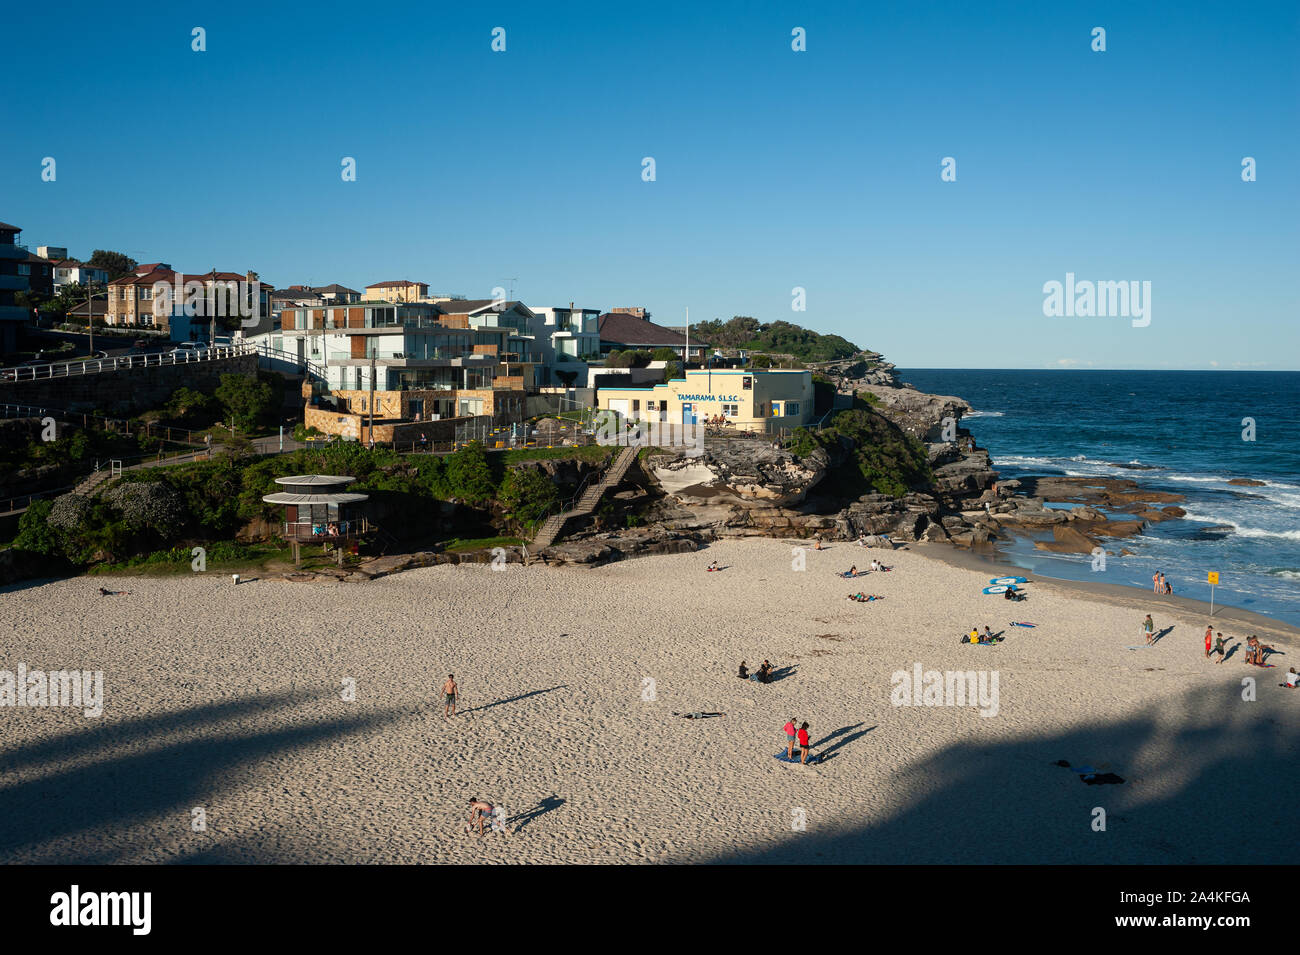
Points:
(71, 272)
(39, 273)
(388, 367)
(622, 330)
(399, 291)
(54, 253)
(337, 294)
(156, 296)
(318, 510)
(573, 332)
(13, 317)
(748, 399)
(636, 311)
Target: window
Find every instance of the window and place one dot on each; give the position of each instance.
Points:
(792, 407)
(24, 269)
(730, 411)
(747, 383)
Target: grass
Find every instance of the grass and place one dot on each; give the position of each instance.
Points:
(462, 545)
(178, 561)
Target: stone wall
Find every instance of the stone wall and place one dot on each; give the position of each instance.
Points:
(127, 390)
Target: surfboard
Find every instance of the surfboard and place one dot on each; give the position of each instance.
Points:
(1019, 623)
(1008, 580)
(1000, 589)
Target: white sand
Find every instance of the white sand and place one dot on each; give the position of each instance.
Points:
(228, 699)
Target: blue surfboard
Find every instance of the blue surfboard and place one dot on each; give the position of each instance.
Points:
(1007, 580)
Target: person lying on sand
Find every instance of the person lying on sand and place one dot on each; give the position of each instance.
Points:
(112, 593)
(713, 566)
(853, 571)
(697, 716)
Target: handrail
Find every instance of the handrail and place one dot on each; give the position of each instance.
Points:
(46, 372)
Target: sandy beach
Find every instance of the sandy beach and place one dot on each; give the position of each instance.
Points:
(230, 700)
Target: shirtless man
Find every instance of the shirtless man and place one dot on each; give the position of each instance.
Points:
(451, 692)
(478, 811)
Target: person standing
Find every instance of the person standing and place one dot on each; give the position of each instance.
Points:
(789, 739)
(803, 744)
(1209, 631)
(451, 693)
(1221, 647)
(1149, 629)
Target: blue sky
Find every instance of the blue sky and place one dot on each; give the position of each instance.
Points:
(775, 169)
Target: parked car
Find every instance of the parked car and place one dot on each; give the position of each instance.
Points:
(186, 351)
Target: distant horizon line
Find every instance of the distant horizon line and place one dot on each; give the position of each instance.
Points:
(899, 368)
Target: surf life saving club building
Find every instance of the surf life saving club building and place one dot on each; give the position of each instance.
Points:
(749, 399)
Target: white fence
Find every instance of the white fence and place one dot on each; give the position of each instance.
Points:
(91, 366)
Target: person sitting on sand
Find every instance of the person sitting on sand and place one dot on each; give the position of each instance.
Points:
(817, 545)
(1008, 594)
(765, 672)
(744, 671)
(1292, 678)
(1261, 651)
(988, 634)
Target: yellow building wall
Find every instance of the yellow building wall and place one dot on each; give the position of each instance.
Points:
(754, 405)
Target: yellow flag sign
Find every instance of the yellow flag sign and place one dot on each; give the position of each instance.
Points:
(1213, 577)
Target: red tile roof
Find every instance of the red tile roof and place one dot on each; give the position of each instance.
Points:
(399, 284)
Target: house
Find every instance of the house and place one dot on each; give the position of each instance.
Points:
(621, 330)
(186, 305)
(389, 367)
(13, 317)
(71, 272)
(398, 291)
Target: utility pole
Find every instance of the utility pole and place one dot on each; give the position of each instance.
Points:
(372, 395)
(90, 315)
(212, 317)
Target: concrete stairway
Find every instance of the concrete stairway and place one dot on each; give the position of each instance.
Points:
(612, 477)
(87, 487)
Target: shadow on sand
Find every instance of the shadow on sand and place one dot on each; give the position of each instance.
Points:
(1002, 801)
(135, 784)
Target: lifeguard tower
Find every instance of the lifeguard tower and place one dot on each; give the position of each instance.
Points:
(318, 509)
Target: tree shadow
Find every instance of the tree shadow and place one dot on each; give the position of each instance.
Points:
(994, 800)
(134, 786)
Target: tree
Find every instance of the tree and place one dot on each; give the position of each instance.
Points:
(468, 475)
(114, 263)
(245, 398)
(663, 354)
(526, 494)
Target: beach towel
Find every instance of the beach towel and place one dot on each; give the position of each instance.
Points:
(786, 759)
(847, 576)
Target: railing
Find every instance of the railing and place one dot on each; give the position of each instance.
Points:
(12, 505)
(162, 432)
(67, 369)
(323, 530)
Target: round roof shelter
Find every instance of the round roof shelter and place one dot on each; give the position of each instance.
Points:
(315, 489)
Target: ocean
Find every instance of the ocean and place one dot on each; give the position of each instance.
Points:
(1180, 431)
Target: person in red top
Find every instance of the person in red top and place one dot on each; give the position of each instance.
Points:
(803, 743)
(1207, 642)
(789, 739)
